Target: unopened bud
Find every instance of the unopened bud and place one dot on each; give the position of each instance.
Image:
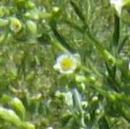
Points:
(31, 27)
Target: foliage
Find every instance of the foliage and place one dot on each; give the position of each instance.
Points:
(35, 35)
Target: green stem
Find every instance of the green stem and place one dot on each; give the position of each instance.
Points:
(114, 46)
(60, 38)
(116, 36)
(116, 33)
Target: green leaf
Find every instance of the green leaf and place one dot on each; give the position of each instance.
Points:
(18, 106)
(126, 3)
(103, 124)
(3, 22)
(27, 125)
(77, 99)
(9, 115)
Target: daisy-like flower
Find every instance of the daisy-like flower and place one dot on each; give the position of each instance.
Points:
(67, 63)
(117, 4)
(15, 25)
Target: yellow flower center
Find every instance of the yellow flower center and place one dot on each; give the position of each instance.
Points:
(66, 63)
(16, 24)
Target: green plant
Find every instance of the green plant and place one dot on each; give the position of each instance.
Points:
(64, 64)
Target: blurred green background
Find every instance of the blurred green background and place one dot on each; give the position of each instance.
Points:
(33, 33)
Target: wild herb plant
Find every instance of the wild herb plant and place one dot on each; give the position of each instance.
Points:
(64, 64)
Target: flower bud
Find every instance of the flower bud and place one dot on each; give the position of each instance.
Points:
(80, 78)
(95, 99)
(55, 9)
(31, 27)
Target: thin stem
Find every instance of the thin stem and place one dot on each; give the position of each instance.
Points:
(116, 34)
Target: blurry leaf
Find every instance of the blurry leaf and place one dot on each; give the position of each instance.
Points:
(110, 58)
(66, 118)
(116, 34)
(24, 4)
(18, 107)
(122, 44)
(77, 99)
(60, 38)
(9, 115)
(126, 3)
(103, 124)
(68, 98)
(3, 22)
(78, 11)
(5, 98)
(27, 125)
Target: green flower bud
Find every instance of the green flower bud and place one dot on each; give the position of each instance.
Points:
(55, 9)
(95, 99)
(29, 4)
(80, 78)
(55, 12)
(98, 111)
(112, 96)
(59, 94)
(24, 4)
(111, 58)
(33, 14)
(31, 27)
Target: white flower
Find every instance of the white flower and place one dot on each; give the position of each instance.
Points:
(67, 63)
(117, 4)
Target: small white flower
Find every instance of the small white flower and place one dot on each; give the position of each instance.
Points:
(67, 63)
(117, 4)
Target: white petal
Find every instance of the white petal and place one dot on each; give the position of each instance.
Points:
(117, 4)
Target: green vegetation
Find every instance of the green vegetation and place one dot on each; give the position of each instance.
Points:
(64, 64)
